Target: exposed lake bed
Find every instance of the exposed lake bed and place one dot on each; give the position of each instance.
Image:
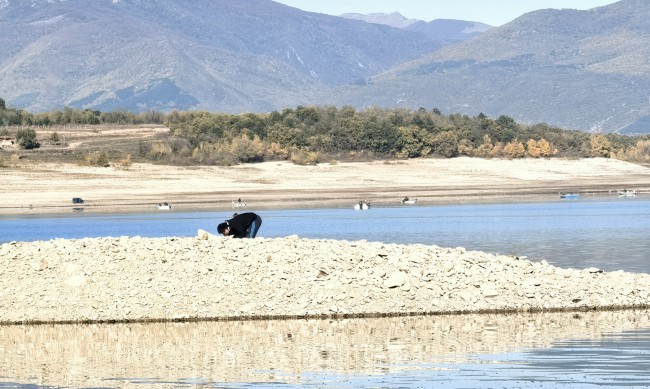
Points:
(211, 277)
(50, 188)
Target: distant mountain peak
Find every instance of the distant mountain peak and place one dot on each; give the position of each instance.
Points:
(393, 19)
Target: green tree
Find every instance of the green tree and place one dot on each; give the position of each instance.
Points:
(379, 137)
(245, 149)
(414, 141)
(287, 136)
(307, 115)
(506, 122)
(3, 105)
(446, 144)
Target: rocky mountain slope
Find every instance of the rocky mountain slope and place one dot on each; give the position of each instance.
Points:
(220, 55)
(585, 70)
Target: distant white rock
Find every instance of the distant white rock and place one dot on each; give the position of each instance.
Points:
(393, 19)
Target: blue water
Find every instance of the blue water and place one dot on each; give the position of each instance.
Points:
(611, 235)
(387, 353)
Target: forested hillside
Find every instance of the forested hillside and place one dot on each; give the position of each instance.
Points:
(313, 134)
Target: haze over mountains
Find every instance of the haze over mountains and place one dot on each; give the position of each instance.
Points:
(445, 31)
(586, 70)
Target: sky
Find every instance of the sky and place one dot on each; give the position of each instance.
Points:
(492, 12)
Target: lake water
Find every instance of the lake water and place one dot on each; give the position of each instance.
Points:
(576, 350)
(611, 235)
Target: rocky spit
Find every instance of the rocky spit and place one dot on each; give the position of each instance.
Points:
(129, 279)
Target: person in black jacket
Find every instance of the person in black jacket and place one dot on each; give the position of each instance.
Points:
(243, 225)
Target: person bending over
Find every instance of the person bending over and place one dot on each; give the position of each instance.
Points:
(243, 225)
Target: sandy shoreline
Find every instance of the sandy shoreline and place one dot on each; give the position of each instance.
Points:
(49, 188)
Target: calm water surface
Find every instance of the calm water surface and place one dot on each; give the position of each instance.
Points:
(611, 235)
(573, 350)
(568, 350)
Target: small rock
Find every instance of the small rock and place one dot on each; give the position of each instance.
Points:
(395, 280)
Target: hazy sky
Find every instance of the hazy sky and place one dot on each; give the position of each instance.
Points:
(492, 12)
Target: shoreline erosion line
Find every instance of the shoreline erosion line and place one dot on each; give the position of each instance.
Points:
(313, 199)
(49, 187)
(211, 278)
(634, 308)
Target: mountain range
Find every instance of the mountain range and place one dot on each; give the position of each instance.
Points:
(219, 55)
(586, 70)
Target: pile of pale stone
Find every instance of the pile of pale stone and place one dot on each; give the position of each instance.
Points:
(211, 277)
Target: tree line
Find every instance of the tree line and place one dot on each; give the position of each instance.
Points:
(312, 134)
(309, 134)
(69, 115)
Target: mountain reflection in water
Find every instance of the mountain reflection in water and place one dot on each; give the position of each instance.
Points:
(301, 353)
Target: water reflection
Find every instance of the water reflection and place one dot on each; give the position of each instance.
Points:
(342, 353)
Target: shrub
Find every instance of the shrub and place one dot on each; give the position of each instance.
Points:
(546, 148)
(213, 154)
(639, 153)
(600, 146)
(514, 149)
(304, 157)
(465, 147)
(245, 149)
(159, 151)
(54, 137)
(98, 159)
(533, 149)
(276, 151)
(498, 150)
(486, 149)
(26, 139)
(125, 163)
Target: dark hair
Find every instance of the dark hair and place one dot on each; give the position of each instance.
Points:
(222, 227)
